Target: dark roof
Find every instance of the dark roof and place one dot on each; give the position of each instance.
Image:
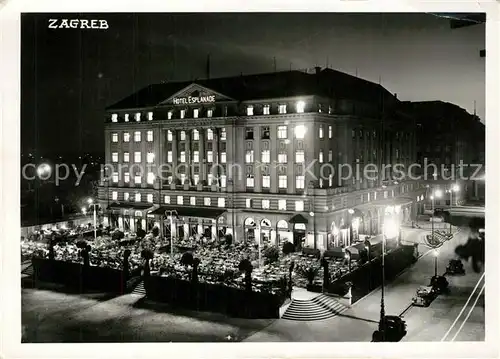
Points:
(138, 206)
(298, 218)
(329, 83)
(198, 212)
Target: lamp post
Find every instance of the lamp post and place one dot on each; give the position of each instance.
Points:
(436, 254)
(90, 201)
(171, 214)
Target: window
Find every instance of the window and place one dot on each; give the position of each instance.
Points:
(249, 133)
(282, 109)
(192, 201)
(196, 156)
(114, 117)
(126, 157)
(299, 206)
(223, 181)
(301, 105)
(207, 201)
(266, 109)
(166, 199)
(223, 157)
(210, 156)
(169, 156)
(321, 131)
(114, 195)
(169, 115)
(266, 204)
(137, 157)
(300, 132)
(150, 198)
(223, 134)
(210, 112)
(126, 117)
(182, 178)
(282, 131)
(137, 197)
(151, 178)
(137, 179)
(183, 113)
(196, 179)
(126, 137)
(196, 112)
(321, 183)
(115, 177)
(137, 116)
(137, 136)
(149, 136)
(114, 157)
(299, 156)
(114, 137)
(180, 200)
(250, 181)
(183, 157)
(150, 157)
(266, 156)
(249, 110)
(196, 135)
(210, 134)
(282, 158)
(266, 181)
(330, 156)
(282, 205)
(150, 116)
(330, 132)
(221, 202)
(183, 135)
(330, 180)
(210, 179)
(320, 156)
(169, 136)
(248, 203)
(126, 177)
(282, 181)
(266, 134)
(126, 196)
(249, 156)
(299, 182)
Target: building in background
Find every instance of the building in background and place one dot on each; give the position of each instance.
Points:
(258, 156)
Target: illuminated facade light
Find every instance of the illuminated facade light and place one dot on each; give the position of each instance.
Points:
(300, 106)
(300, 131)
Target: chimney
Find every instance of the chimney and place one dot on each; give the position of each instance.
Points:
(318, 69)
(396, 95)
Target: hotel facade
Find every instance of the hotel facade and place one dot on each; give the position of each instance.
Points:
(260, 156)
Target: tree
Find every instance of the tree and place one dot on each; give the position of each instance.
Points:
(271, 255)
(288, 248)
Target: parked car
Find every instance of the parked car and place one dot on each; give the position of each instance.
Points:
(392, 329)
(455, 267)
(424, 296)
(439, 284)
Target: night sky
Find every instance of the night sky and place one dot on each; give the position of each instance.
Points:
(70, 75)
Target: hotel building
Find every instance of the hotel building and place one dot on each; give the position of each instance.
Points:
(259, 156)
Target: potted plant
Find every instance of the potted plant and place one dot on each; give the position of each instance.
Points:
(288, 248)
(271, 255)
(309, 273)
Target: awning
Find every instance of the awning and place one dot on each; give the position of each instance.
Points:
(198, 212)
(298, 218)
(129, 206)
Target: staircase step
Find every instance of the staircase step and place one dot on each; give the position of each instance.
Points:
(319, 308)
(139, 289)
(28, 271)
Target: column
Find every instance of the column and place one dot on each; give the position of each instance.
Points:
(132, 223)
(189, 175)
(120, 222)
(186, 230)
(175, 154)
(215, 151)
(273, 237)
(290, 166)
(214, 231)
(203, 170)
(273, 148)
(143, 224)
(257, 159)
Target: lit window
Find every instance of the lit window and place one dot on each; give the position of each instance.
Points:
(183, 156)
(223, 157)
(169, 115)
(126, 177)
(282, 181)
(210, 156)
(223, 181)
(223, 134)
(183, 136)
(250, 181)
(249, 110)
(210, 112)
(330, 132)
(320, 156)
(282, 109)
(266, 181)
(299, 156)
(330, 180)
(196, 112)
(114, 157)
(321, 131)
(183, 113)
(196, 179)
(180, 200)
(169, 179)
(150, 157)
(114, 137)
(221, 202)
(192, 201)
(151, 178)
(150, 198)
(137, 136)
(114, 195)
(266, 204)
(127, 117)
(126, 196)
(126, 137)
(282, 131)
(150, 116)
(300, 131)
(210, 134)
(210, 179)
(137, 157)
(196, 156)
(196, 135)
(249, 156)
(299, 206)
(169, 156)
(266, 156)
(150, 136)
(282, 205)
(182, 178)
(330, 156)
(282, 158)
(169, 136)
(137, 197)
(114, 117)
(266, 109)
(137, 179)
(166, 199)
(207, 201)
(321, 183)
(115, 177)
(248, 203)
(266, 134)
(137, 116)
(299, 182)
(300, 106)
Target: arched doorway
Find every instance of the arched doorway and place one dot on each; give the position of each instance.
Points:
(265, 231)
(249, 225)
(222, 227)
(284, 235)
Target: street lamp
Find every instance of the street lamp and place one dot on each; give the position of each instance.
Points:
(171, 213)
(90, 201)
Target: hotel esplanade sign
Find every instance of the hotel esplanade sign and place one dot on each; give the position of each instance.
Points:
(196, 94)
